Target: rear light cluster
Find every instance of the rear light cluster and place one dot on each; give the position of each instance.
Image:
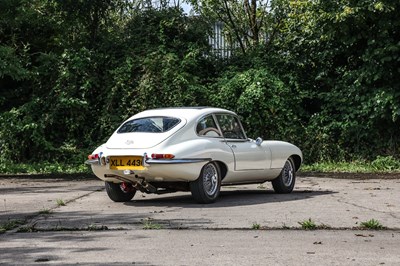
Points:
(93, 156)
(162, 156)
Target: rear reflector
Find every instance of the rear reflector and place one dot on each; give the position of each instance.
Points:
(162, 156)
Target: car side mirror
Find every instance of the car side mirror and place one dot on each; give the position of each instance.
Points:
(259, 140)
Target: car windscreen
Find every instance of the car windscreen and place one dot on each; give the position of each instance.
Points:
(149, 125)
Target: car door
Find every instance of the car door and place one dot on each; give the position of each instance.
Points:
(247, 154)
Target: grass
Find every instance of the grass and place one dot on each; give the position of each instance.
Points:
(45, 211)
(60, 202)
(94, 227)
(149, 225)
(308, 224)
(27, 229)
(372, 224)
(256, 226)
(381, 164)
(11, 224)
(44, 168)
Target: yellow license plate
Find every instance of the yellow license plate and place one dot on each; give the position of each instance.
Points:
(126, 163)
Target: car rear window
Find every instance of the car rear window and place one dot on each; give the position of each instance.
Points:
(149, 125)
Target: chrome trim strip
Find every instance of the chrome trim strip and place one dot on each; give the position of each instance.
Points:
(177, 161)
(235, 140)
(95, 161)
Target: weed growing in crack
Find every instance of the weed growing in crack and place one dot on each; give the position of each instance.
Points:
(45, 211)
(372, 224)
(11, 224)
(308, 224)
(149, 225)
(27, 229)
(60, 202)
(94, 227)
(256, 226)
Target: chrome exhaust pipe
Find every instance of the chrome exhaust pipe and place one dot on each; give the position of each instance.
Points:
(148, 187)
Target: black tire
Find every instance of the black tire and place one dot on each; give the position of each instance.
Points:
(284, 183)
(206, 188)
(115, 193)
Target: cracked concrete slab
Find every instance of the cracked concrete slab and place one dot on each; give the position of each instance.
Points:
(26, 197)
(335, 203)
(92, 230)
(202, 247)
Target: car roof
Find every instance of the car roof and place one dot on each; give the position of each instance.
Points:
(188, 113)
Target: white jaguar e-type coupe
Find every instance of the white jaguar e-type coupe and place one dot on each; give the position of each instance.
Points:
(195, 149)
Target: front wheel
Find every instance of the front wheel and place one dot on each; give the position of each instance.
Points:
(284, 183)
(207, 187)
(115, 193)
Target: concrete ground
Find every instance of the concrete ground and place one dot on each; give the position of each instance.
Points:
(91, 229)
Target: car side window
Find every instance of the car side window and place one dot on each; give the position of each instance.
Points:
(207, 127)
(230, 126)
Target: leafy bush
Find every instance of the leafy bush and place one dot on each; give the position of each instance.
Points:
(78, 94)
(325, 78)
(267, 106)
(388, 163)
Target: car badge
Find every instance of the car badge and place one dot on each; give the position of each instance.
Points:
(129, 142)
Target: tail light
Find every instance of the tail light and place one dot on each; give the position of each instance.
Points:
(93, 156)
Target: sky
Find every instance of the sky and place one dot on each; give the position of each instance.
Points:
(186, 7)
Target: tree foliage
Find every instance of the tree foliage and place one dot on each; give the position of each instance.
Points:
(244, 21)
(66, 97)
(345, 55)
(321, 74)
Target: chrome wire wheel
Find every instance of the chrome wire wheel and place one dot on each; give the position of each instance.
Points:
(284, 183)
(206, 188)
(210, 179)
(287, 173)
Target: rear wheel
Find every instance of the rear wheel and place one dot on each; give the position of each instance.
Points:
(207, 187)
(115, 193)
(284, 183)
